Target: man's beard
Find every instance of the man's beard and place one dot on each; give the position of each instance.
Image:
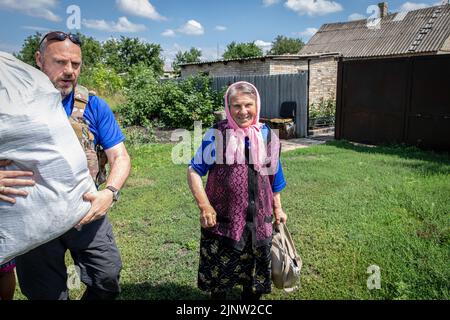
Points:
(65, 91)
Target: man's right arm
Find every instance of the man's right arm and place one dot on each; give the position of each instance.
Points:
(10, 179)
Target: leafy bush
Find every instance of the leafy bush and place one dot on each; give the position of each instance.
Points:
(139, 135)
(188, 101)
(177, 104)
(104, 80)
(143, 97)
(324, 108)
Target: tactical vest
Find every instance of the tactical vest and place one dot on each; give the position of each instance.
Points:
(96, 156)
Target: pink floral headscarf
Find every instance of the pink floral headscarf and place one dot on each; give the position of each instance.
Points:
(236, 136)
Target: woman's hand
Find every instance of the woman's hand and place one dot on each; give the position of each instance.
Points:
(278, 212)
(11, 179)
(207, 212)
(208, 216)
(280, 216)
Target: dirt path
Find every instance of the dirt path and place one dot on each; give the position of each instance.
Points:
(292, 144)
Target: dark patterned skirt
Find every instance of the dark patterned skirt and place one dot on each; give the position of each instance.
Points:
(223, 267)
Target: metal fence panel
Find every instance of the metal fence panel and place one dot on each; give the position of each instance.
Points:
(395, 100)
(274, 90)
(428, 114)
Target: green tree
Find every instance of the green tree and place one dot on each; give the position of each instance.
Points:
(284, 45)
(92, 51)
(111, 53)
(191, 56)
(126, 52)
(242, 50)
(29, 48)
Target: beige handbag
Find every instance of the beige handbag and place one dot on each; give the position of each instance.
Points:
(286, 263)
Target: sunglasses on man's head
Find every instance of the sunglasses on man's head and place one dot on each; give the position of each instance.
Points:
(61, 36)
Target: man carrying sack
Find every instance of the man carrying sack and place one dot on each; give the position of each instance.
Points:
(42, 272)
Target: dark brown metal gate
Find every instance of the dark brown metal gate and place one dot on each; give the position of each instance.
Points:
(395, 100)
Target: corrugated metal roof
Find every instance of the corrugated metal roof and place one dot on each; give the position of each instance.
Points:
(222, 60)
(274, 57)
(419, 31)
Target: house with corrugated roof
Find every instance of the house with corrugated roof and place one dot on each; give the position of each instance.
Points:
(419, 32)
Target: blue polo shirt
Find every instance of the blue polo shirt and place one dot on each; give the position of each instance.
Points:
(203, 164)
(101, 121)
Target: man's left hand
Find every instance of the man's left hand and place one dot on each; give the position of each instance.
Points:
(101, 202)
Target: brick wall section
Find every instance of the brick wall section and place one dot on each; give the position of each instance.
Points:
(287, 66)
(231, 68)
(251, 67)
(323, 76)
(323, 79)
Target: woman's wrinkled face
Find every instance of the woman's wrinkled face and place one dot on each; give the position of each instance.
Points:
(243, 109)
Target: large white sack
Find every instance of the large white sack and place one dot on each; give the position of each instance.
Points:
(36, 135)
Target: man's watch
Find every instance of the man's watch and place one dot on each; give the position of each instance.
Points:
(116, 192)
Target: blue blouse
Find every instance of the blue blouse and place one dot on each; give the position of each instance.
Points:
(204, 159)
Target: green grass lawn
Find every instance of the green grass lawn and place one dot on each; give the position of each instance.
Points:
(349, 207)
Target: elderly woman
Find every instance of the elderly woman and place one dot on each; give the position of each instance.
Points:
(242, 194)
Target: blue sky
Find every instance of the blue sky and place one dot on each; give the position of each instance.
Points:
(208, 25)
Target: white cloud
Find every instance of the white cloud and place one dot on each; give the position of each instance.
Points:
(265, 46)
(122, 25)
(268, 3)
(313, 7)
(168, 33)
(220, 28)
(410, 6)
(356, 16)
(192, 28)
(35, 8)
(308, 32)
(140, 8)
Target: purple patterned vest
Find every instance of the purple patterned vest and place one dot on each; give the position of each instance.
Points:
(236, 192)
